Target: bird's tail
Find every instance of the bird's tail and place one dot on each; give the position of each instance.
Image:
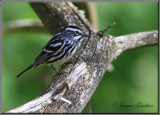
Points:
(27, 69)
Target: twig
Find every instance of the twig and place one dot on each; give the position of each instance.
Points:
(89, 107)
(103, 31)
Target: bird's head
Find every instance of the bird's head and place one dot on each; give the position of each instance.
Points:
(76, 32)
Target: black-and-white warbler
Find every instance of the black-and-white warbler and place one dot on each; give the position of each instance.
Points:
(59, 49)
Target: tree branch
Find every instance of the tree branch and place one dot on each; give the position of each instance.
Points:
(78, 85)
(136, 40)
(23, 25)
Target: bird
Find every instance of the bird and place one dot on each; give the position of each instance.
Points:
(59, 49)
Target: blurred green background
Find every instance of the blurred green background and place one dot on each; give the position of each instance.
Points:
(135, 76)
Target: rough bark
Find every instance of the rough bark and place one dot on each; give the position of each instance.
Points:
(78, 80)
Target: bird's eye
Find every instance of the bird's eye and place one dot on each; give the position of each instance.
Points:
(77, 33)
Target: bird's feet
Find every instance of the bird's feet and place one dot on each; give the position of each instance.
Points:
(55, 69)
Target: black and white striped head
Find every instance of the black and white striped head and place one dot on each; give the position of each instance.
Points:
(75, 31)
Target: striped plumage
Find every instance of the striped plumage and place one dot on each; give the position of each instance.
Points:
(60, 48)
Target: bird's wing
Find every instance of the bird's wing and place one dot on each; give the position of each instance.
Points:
(42, 57)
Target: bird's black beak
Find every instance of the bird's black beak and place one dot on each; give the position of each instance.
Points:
(85, 35)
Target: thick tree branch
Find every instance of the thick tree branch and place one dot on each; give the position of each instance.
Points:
(136, 40)
(78, 81)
